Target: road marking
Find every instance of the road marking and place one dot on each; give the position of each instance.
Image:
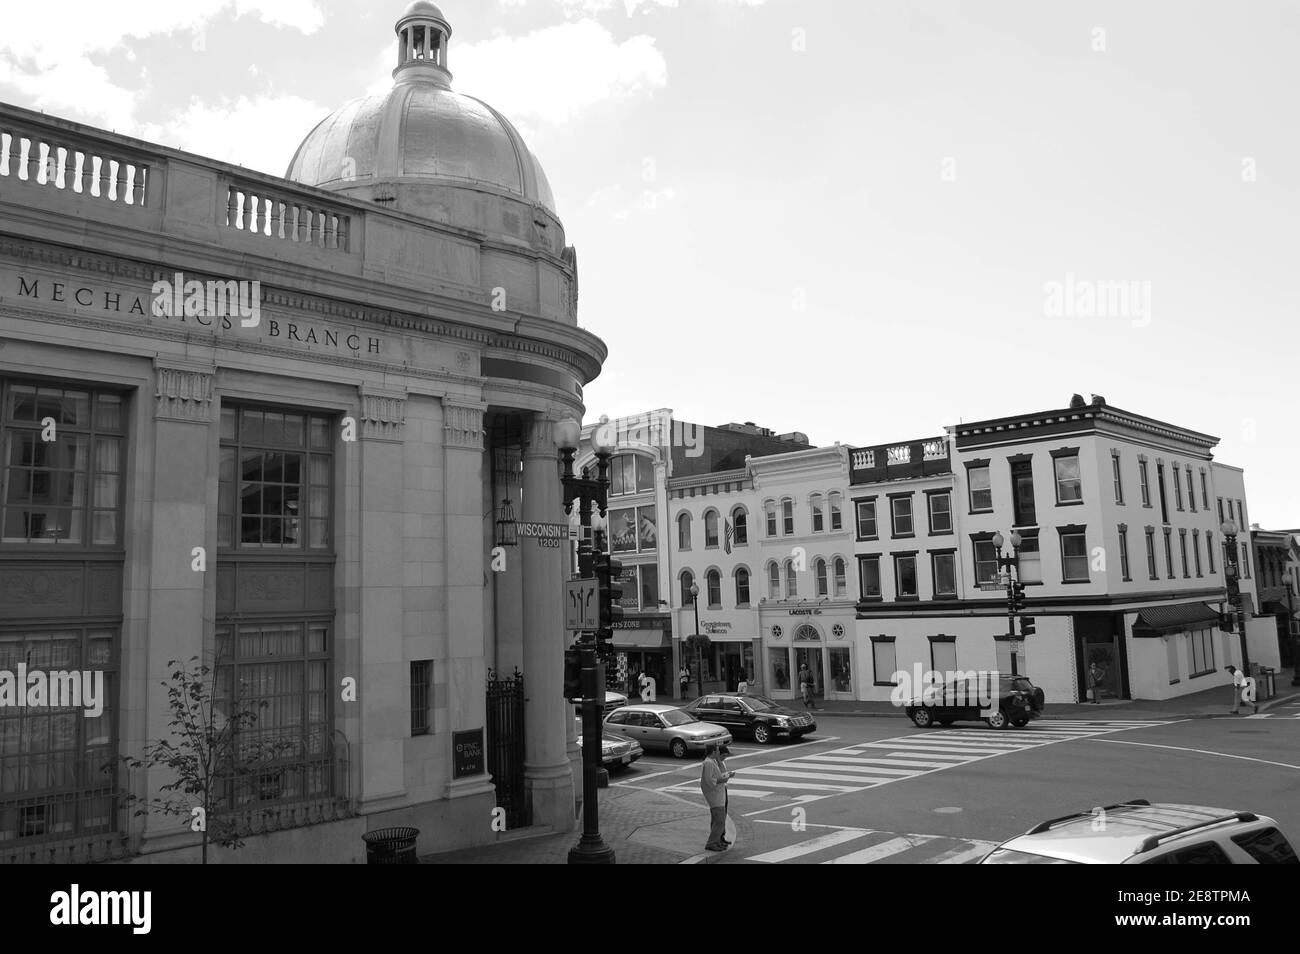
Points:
(1182, 748)
(958, 856)
(811, 845)
(883, 850)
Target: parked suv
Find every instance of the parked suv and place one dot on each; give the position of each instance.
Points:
(754, 716)
(1139, 833)
(1013, 700)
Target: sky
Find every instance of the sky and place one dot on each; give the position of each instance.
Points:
(860, 219)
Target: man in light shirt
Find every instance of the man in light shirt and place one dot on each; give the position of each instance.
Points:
(713, 783)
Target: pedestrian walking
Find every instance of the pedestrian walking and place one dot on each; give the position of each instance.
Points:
(684, 677)
(742, 687)
(806, 687)
(713, 783)
(1096, 676)
(1237, 680)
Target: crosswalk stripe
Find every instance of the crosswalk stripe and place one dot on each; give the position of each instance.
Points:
(959, 856)
(783, 772)
(853, 765)
(949, 751)
(808, 847)
(962, 744)
(910, 763)
(883, 850)
(773, 783)
(747, 793)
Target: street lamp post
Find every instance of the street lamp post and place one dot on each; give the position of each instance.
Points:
(699, 671)
(587, 491)
(1010, 563)
(1295, 640)
(1232, 572)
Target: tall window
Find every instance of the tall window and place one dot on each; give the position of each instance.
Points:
(841, 582)
(1182, 544)
(632, 529)
(1245, 561)
(791, 580)
(713, 584)
(1205, 491)
(1069, 484)
(981, 490)
(943, 568)
(683, 531)
(1074, 556)
(1169, 553)
(1123, 551)
(1220, 500)
(769, 513)
(823, 581)
(986, 561)
(1191, 491)
(711, 529)
(1143, 483)
(1178, 488)
(773, 581)
(1151, 553)
(940, 512)
(1202, 652)
(1241, 517)
(837, 507)
(1196, 550)
(1209, 549)
(866, 519)
(818, 514)
(66, 491)
(901, 509)
(787, 516)
(884, 660)
(1025, 512)
(1164, 503)
(421, 695)
(905, 577)
(740, 526)
(631, 474)
(687, 581)
(1030, 568)
(869, 576)
(742, 586)
(1116, 478)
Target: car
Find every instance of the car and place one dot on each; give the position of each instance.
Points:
(616, 752)
(1017, 700)
(754, 716)
(1140, 833)
(658, 726)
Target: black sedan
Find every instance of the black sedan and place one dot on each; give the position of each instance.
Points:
(754, 716)
(1012, 700)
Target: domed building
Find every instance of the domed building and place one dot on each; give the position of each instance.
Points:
(301, 429)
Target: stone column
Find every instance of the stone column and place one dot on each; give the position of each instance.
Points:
(466, 565)
(547, 771)
(181, 603)
(382, 706)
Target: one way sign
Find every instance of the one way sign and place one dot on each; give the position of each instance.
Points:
(581, 605)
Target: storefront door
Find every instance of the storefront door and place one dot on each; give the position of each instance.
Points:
(812, 657)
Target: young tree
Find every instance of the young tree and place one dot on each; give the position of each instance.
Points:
(213, 748)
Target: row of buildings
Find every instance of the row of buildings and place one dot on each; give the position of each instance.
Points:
(862, 561)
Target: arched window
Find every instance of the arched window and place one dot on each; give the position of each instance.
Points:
(818, 513)
(820, 567)
(740, 526)
(683, 531)
(773, 581)
(791, 581)
(787, 516)
(687, 579)
(713, 583)
(769, 511)
(837, 506)
(711, 528)
(742, 586)
(841, 584)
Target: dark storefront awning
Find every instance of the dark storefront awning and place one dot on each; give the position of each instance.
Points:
(1274, 608)
(640, 639)
(1174, 618)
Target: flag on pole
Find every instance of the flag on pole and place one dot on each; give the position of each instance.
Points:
(727, 535)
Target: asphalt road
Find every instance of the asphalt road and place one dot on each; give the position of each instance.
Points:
(879, 790)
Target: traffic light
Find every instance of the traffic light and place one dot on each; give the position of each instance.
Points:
(1017, 597)
(573, 675)
(608, 573)
(1027, 627)
(1226, 623)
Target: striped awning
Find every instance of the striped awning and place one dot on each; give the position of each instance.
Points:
(1174, 618)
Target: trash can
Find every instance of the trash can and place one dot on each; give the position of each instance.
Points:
(391, 846)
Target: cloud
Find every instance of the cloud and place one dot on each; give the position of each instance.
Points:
(551, 75)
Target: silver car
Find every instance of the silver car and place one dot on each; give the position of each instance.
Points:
(658, 726)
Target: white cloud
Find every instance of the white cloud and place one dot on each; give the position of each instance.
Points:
(552, 74)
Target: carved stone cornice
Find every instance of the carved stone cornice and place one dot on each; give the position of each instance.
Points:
(383, 413)
(183, 393)
(462, 424)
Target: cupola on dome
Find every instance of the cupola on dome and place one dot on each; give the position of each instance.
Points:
(392, 148)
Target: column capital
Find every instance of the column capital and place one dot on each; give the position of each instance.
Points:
(462, 424)
(539, 434)
(383, 413)
(183, 391)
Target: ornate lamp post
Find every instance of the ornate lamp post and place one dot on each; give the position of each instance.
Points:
(699, 671)
(1290, 629)
(1009, 563)
(1231, 572)
(586, 491)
